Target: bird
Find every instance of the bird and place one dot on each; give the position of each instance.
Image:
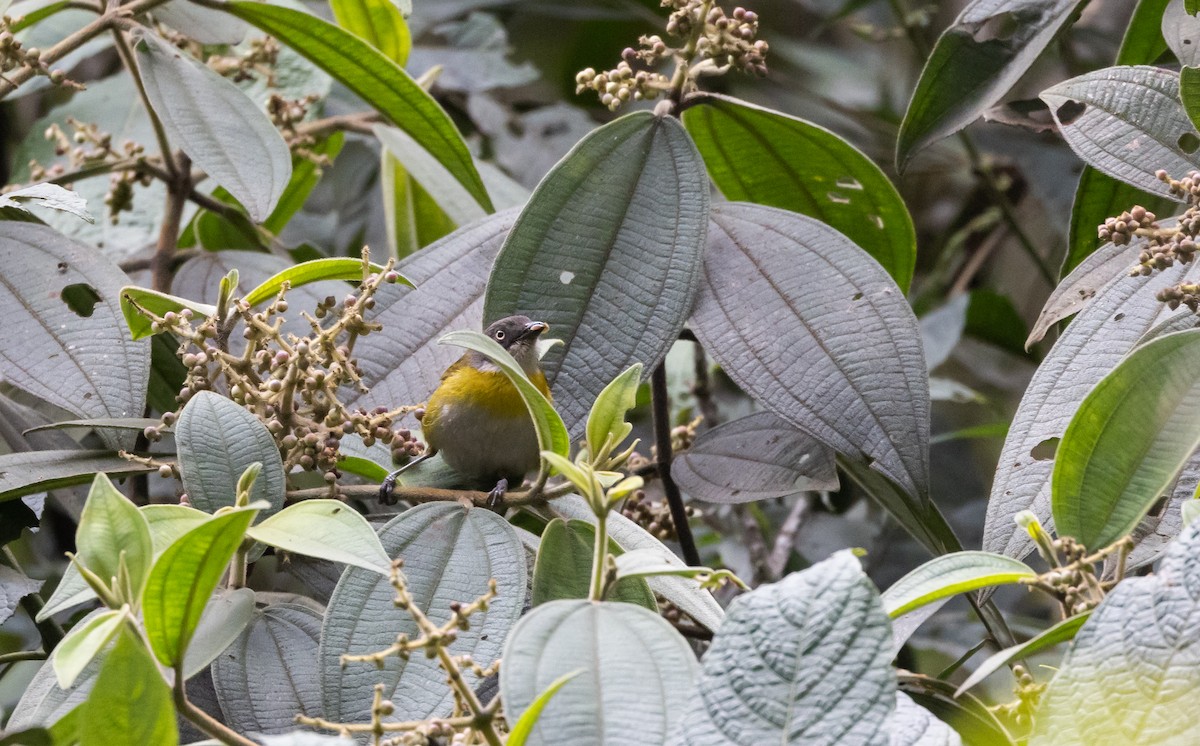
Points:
(476, 418)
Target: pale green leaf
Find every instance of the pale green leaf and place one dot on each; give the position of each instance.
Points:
(949, 575)
(606, 422)
(85, 640)
(332, 268)
(130, 702)
(110, 526)
(133, 297)
(325, 529)
(1061, 632)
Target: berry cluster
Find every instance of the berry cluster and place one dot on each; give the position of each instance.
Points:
(652, 515)
(1163, 247)
(293, 384)
(1121, 229)
(13, 55)
(712, 43)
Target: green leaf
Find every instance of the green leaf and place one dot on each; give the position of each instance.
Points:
(47, 195)
(1130, 669)
(802, 661)
(13, 587)
(975, 61)
(450, 553)
(325, 529)
(451, 196)
(949, 575)
(967, 715)
(1098, 197)
(379, 81)
(757, 457)
(551, 432)
(606, 422)
(1130, 437)
(305, 175)
(32, 11)
(1191, 6)
(608, 252)
(62, 338)
(184, 577)
(169, 522)
(1061, 632)
(685, 593)
(414, 219)
(130, 702)
(1108, 328)
(564, 567)
(519, 734)
(85, 640)
(1128, 123)
(216, 124)
(269, 674)
(225, 616)
(217, 441)
(158, 303)
(842, 358)
(110, 526)
(637, 673)
(378, 22)
(28, 472)
(1189, 93)
(333, 268)
(767, 157)
(1143, 43)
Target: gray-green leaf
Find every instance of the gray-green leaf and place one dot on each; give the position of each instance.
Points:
(608, 252)
(13, 587)
(47, 195)
(326, 529)
(217, 125)
(757, 457)
(638, 673)
(829, 343)
(449, 554)
(802, 661)
(217, 440)
(63, 339)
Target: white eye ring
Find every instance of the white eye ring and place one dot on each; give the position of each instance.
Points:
(499, 335)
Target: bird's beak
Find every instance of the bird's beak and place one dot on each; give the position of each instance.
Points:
(534, 328)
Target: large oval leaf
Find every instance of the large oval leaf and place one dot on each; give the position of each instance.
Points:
(949, 575)
(216, 124)
(769, 158)
(637, 673)
(112, 532)
(1078, 288)
(269, 674)
(1128, 441)
(1133, 665)
(801, 661)
(217, 440)
(449, 554)
(564, 567)
(378, 80)
(828, 343)
(757, 457)
(402, 364)
(1127, 122)
(608, 252)
(326, 529)
(975, 61)
(1106, 330)
(63, 339)
(28, 472)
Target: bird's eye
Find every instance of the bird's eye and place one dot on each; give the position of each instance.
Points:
(499, 335)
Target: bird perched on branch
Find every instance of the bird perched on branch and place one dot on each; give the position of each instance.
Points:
(477, 419)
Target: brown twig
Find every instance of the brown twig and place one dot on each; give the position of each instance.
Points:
(168, 234)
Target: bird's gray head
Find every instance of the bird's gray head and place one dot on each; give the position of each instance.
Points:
(519, 335)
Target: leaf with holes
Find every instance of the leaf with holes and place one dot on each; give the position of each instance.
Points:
(1078, 288)
(63, 340)
(269, 674)
(450, 553)
(976, 60)
(757, 457)
(217, 441)
(801, 661)
(637, 673)
(403, 363)
(608, 252)
(216, 125)
(1181, 32)
(1128, 441)
(767, 157)
(1102, 334)
(1133, 664)
(841, 355)
(378, 80)
(1127, 122)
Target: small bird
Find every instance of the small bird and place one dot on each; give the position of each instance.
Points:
(477, 419)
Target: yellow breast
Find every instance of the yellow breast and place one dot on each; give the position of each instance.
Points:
(487, 391)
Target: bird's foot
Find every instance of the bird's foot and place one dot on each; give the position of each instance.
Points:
(387, 486)
(497, 493)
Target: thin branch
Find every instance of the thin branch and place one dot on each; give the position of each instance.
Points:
(160, 134)
(358, 122)
(201, 719)
(168, 234)
(22, 655)
(417, 495)
(781, 549)
(662, 440)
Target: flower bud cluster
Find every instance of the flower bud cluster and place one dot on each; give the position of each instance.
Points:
(1163, 247)
(86, 146)
(259, 60)
(293, 384)
(711, 42)
(652, 515)
(14, 55)
(1121, 229)
(286, 114)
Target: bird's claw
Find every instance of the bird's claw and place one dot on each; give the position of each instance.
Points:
(386, 487)
(497, 493)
